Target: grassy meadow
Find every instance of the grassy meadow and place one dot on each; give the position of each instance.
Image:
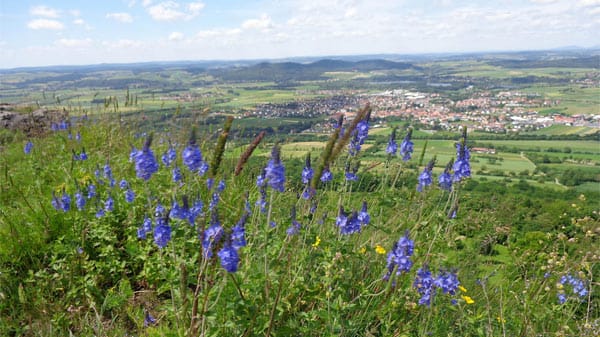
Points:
(492, 256)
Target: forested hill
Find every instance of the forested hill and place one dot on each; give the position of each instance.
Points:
(286, 71)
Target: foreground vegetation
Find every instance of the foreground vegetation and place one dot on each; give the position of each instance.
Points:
(262, 253)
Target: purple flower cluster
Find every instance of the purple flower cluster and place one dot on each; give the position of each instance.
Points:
(399, 257)
(275, 171)
(63, 203)
(461, 167)
(192, 158)
(326, 176)
(360, 134)
(28, 147)
(392, 146)
(350, 223)
(145, 162)
(212, 235)
(162, 232)
(295, 227)
(407, 146)
(168, 157)
(578, 287)
(425, 176)
(145, 228)
(426, 284)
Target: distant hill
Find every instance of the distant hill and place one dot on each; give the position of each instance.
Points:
(292, 71)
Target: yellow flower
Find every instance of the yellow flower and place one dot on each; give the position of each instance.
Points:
(317, 242)
(363, 250)
(463, 289)
(379, 250)
(467, 299)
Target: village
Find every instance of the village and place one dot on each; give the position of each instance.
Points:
(500, 112)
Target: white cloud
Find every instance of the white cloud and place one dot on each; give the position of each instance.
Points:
(195, 7)
(121, 17)
(74, 43)
(75, 12)
(589, 3)
(122, 43)
(172, 11)
(44, 11)
(264, 22)
(176, 36)
(146, 3)
(217, 33)
(45, 24)
(79, 22)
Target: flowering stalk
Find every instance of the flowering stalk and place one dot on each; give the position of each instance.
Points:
(220, 148)
(246, 155)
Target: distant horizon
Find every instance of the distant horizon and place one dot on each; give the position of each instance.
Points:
(60, 33)
(310, 58)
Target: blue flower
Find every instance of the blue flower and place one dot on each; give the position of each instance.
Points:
(132, 154)
(238, 239)
(407, 146)
(79, 200)
(28, 147)
(425, 176)
(109, 204)
(363, 215)
(123, 184)
(462, 167)
(83, 155)
(145, 228)
(91, 191)
(212, 235)
(307, 171)
(162, 233)
(203, 168)
(308, 192)
(578, 286)
(65, 202)
(169, 156)
(159, 211)
(445, 180)
(78, 136)
(192, 157)
(347, 225)
(145, 162)
(214, 201)
(195, 211)
(262, 201)
(400, 255)
(221, 186)
(149, 320)
(275, 171)
(360, 134)
(424, 283)
(56, 203)
(392, 146)
(107, 171)
(129, 195)
(326, 175)
(209, 183)
(100, 213)
(177, 174)
(295, 227)
(229, 258)
(448, 282)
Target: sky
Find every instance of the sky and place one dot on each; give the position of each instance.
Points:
(61, 32)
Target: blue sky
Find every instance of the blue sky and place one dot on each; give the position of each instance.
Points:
(37, 33)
